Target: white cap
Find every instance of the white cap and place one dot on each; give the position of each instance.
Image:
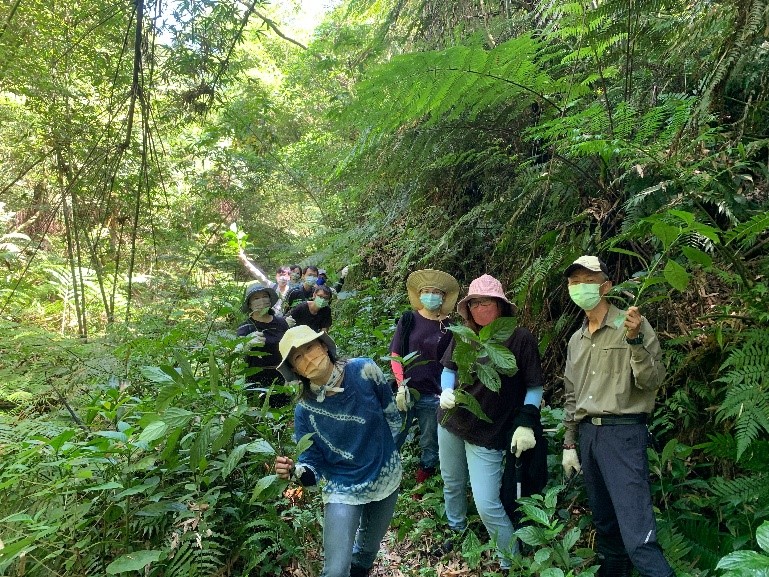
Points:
(592, 263)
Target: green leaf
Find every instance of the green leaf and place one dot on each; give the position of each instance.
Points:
(676, 275)
(543, 554)
(304, 443)
(200, 446)
(226, 434)
(265, 483)
(154, 431)
(627, 252)
(213, 373)
(571, 538)
(233, 459)
(464, 333)
(687, 217)
(176, 417)
(260, 446)
(470, 403)
(666, 233)
(489, 377)
(697, 256)
(502, 357)
(762, 536)
(499, 330)
(535, 514)
(744, 561)
(13, 550)
(156, 375)
(135, 561)
(552, 572)
(531, 535)
(104, 487)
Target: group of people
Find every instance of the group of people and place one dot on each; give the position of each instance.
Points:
(612, 372)
(297, 297)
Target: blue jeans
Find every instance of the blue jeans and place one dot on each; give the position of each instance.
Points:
(425, 412)
(352, 534)
(484, 467)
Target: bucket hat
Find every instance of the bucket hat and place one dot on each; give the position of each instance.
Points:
(483, 287)
(431, 278)
(592, 263)
(294, 338)
(255, 288)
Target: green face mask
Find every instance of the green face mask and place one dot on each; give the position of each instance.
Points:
(586, 295)
(320, 302)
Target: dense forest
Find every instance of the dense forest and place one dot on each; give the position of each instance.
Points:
(147, 146)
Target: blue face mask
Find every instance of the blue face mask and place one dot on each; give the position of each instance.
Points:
(310, 280)
(320, 302)
(432, 302)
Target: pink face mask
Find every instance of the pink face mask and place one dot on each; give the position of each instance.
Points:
(485, 315)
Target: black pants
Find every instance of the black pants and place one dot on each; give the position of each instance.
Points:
(616, 472)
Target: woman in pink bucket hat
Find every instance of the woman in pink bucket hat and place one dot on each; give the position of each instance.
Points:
(472, 448)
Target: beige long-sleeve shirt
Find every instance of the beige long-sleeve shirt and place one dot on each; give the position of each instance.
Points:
(606, 376)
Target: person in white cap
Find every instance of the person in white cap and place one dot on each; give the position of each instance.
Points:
(349, 409)
(265, 330)
(432, 294)
(469, 446)
(613, 370)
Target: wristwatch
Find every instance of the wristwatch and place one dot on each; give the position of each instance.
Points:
(639, 340)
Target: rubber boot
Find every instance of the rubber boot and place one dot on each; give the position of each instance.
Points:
(358, 571)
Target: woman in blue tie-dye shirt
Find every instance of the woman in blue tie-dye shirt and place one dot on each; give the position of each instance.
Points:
(349, 409)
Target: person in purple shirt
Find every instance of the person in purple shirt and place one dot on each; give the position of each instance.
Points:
(432, 294)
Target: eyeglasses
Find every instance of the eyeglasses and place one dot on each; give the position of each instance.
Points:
(475, 303)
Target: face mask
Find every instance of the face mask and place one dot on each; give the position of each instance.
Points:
(586, 295)
(485, 315)
(282, 279)
(295, 276)
(320, 302)
(310, 280)
(431, 301)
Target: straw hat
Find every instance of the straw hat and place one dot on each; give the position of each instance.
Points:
(295, 338)
(437, 279)
(255, 288)
(483, 287)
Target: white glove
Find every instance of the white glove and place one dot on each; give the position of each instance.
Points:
(344, 271)
(290, 321)
(448, 399)
(403, 398)
(523, 440)
(257, 339)
(570, 461)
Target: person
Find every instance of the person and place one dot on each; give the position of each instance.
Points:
(314, 313)
(295, 276)
(469, 446)
(281, 286)
(304, 291)
(433, 295)
(337, 286)
(349, 408)
(613, 370)
(265, 329)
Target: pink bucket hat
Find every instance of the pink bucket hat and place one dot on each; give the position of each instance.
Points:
(483, 286)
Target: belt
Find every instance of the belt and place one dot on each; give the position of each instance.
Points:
(636, 419)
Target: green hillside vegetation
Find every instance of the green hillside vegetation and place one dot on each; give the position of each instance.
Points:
(143, 147)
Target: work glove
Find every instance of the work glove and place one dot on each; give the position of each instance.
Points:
(523, 440)
(570, 461)
(448, 399)
(290, 321)
(403, 398)
(257, 339)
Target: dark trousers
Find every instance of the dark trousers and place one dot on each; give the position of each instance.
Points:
(616, 472)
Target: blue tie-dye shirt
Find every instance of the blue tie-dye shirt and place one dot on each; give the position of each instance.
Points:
(353, 450)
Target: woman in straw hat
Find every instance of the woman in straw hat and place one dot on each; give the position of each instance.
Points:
(432, 294)
(348, 408)
(265, 329)
(471, 447)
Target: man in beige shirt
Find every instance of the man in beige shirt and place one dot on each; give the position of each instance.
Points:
(613, 371)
